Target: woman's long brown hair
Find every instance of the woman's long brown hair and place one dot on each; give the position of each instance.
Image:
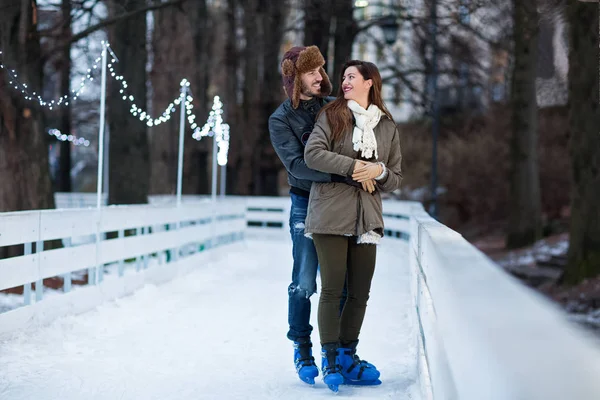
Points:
(338, 114)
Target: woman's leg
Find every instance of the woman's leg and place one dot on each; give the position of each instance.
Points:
(332, 252)
(361, 266)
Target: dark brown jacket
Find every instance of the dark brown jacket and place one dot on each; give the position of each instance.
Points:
(339, 209)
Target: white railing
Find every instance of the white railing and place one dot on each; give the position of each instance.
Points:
(266, 216)
(483, 334)
(119, 240)
(269, 216)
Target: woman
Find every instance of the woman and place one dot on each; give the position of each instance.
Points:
(355, 136)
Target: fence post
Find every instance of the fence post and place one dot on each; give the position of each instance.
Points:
(39, 284)
(67, 276)
(27, 286)
(121, 261)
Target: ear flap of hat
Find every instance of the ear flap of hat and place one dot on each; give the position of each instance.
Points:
(297, 88)
(326, 87)
(287, 67)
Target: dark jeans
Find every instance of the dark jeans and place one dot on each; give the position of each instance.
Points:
(304, 272)
(341, 257)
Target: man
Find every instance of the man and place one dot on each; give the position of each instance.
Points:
(307, 85)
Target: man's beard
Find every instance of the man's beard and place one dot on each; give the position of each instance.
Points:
(306, 90)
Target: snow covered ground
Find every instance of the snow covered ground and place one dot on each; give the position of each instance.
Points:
(217, 333)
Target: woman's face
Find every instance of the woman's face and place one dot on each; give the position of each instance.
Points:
(355, 87)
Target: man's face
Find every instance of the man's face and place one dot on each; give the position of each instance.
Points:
(311, 83)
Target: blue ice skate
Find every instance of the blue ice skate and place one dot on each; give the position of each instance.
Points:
(304, 361)
(331, 370)
(354, 370)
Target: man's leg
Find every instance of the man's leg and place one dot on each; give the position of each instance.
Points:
(304, 274)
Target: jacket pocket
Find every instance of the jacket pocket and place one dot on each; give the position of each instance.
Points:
(325, 191)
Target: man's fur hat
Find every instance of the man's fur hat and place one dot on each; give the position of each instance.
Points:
(297, 61)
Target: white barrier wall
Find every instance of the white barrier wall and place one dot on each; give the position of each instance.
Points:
(153, 242)
(485, 335)
(174, 239)
(266, 216)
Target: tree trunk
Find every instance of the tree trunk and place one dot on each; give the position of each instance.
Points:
(64, 170)
(230, 95)
(268, 162)
(317, 22)
(197, 169)
(525, 204)
(172, 60)
(249, 117)
(584, 122)
(25, 182)
(346, 30)
(129, 166)
(256, 165)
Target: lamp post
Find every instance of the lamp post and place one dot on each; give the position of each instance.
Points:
(435, 109)
(389, 25)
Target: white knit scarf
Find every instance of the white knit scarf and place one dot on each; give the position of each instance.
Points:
(363, 136)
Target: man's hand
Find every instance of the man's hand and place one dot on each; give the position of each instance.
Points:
(366, 172)
(368, 186)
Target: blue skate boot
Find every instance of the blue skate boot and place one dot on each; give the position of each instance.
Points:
(354, 370)
(304, 361)
(331, 370)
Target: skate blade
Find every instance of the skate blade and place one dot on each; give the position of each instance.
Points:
(350, 382)
(308, 380)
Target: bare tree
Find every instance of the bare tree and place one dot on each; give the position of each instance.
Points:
(253, 162)
(25, 182)
(524, 225)
(231, 84)
(64, 171)
(204, 34)
(346, 29)
(584, 121)
(129, 165)
(317, 23)
(171, 60)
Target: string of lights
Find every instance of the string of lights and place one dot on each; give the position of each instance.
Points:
(137, 111)
(69, 138)
(213, 127)
(34, 96)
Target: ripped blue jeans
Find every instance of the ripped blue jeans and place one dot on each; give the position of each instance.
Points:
(304, 272)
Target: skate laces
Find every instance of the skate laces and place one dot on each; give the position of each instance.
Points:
(356, 361)
(332, 366)
(331, 369)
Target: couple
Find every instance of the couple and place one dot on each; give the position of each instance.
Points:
(337, 167)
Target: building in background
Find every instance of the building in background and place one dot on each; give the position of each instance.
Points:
(394, 51)
(474, 62)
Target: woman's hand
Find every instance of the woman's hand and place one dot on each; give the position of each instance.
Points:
(359, 164)
(364, 171)
(368, 186)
